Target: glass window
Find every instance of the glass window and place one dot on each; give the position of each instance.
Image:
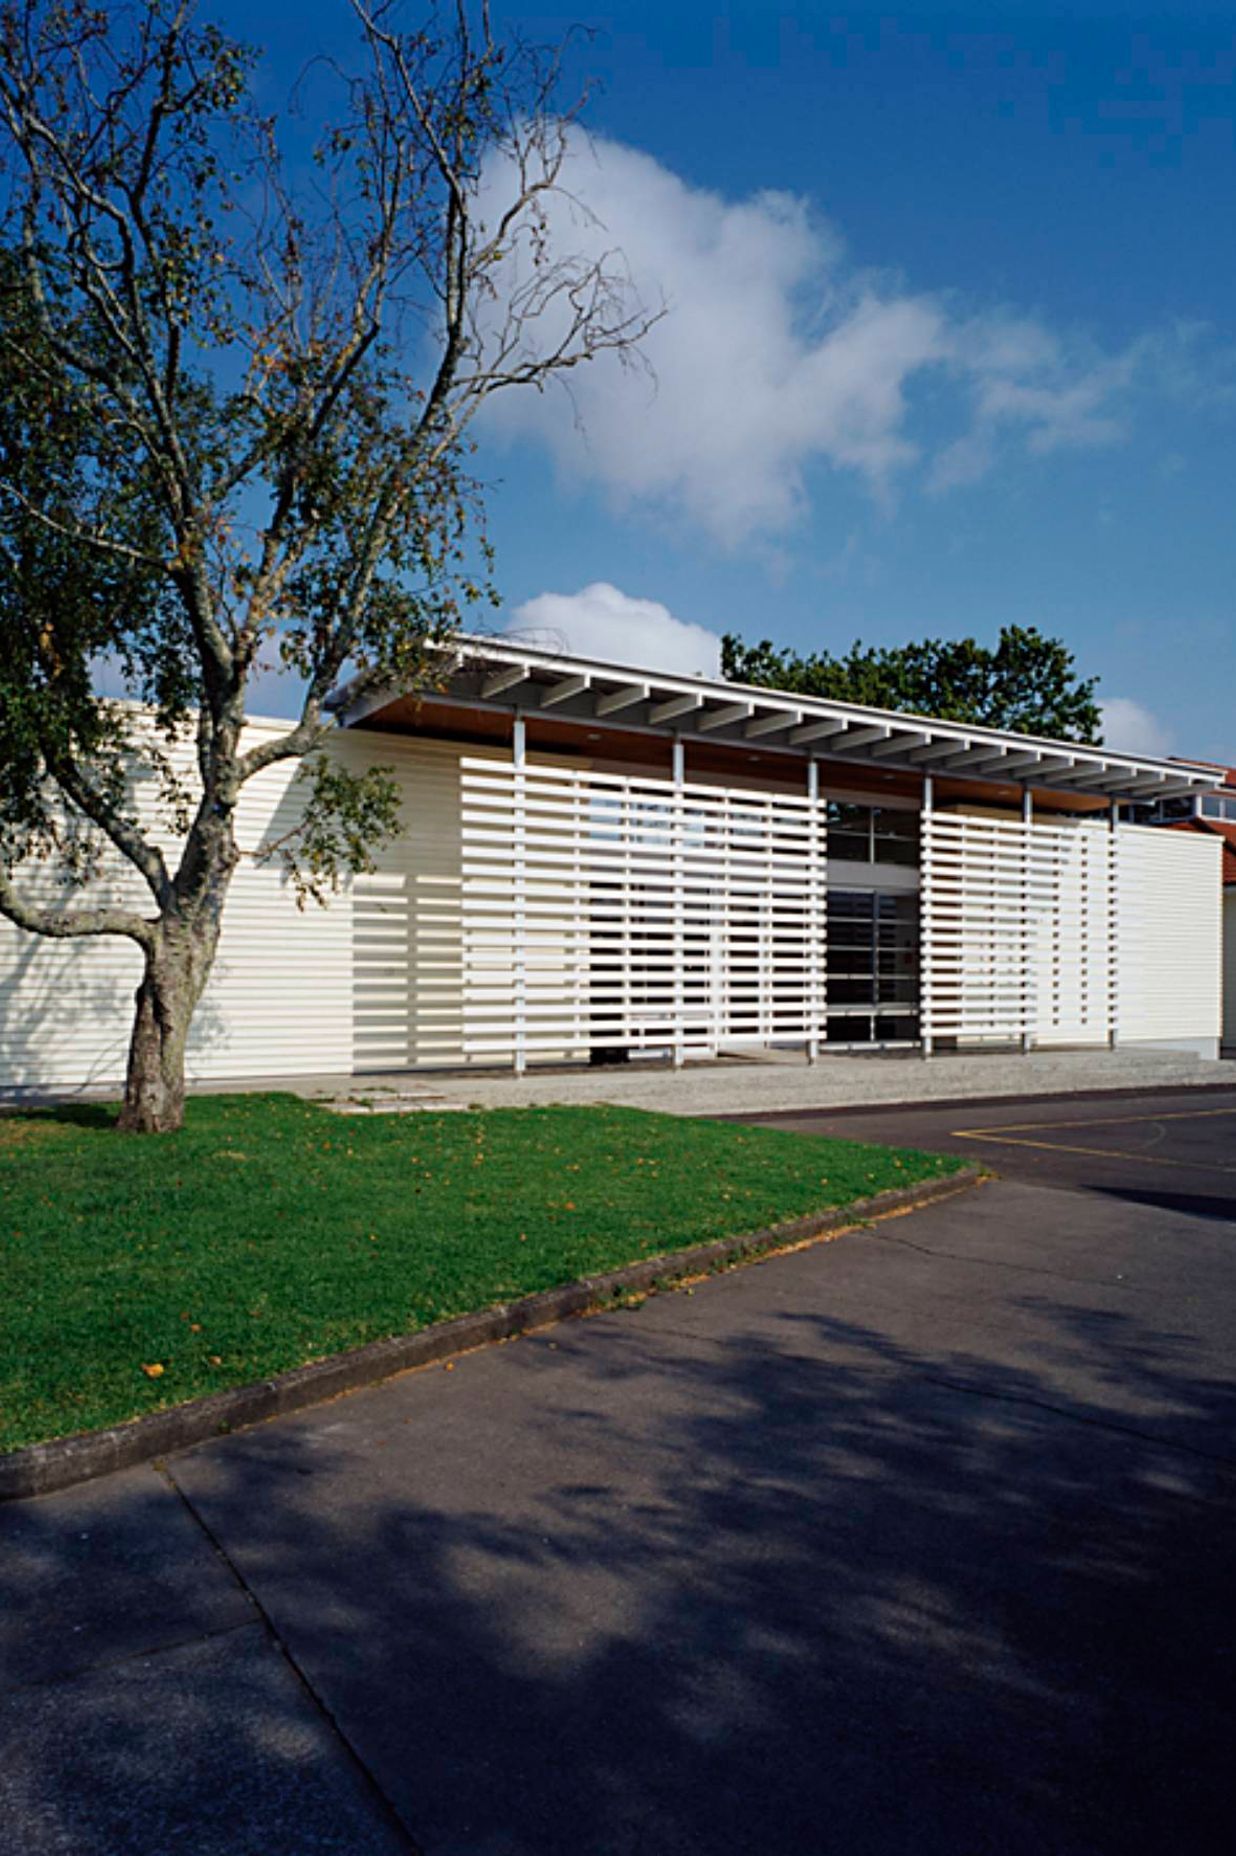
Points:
(896, 836)
(872, 834)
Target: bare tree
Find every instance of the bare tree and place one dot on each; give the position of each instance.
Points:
(236, 382)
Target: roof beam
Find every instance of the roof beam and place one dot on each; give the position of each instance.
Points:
(674, 707)
(563, 692)
(1048, 765)
(862, 737)
(624, 698)
(504, 679)
(1177, 789)
(1112, 783)
(1083, 775)
(1150, 786)
(937, 750)
(1017, 763)
(976, 757)
(819, 731)
(899, 744)
(771, 724)
(722, 718)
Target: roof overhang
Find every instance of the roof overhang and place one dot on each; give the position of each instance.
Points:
(502, 674)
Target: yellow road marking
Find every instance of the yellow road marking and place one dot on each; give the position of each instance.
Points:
(1108, 1121)
(1097, 1153)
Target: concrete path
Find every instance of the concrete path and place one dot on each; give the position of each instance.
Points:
(781, 1081)
(920, 1541)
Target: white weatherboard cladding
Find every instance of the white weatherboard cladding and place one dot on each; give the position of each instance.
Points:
(608, 910)
(1017, 929)
(1169, 903)
(278, 1003)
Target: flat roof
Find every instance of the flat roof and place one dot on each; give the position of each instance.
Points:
(503, 674)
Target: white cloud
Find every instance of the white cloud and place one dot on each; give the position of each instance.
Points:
(775, 353)
(601, 622)
(1129, 727)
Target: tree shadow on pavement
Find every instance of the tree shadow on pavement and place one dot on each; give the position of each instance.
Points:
(807, 1591)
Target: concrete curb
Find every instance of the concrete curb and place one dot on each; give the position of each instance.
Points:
(39, 1469)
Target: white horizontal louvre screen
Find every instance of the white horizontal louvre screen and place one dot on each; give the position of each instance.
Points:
(628, 912)
(1017, 929)
(1169, 903)
(1074, 957)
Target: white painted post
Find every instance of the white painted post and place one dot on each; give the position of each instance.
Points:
(1113, 925)
(1027, 945)
(924, 917)
(814, 912)
(678, 868)
(519, 951)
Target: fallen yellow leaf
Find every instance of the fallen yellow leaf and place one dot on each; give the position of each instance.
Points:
(154, 1370)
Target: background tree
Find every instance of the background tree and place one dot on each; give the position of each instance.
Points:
(236, 381)
(1026, 684)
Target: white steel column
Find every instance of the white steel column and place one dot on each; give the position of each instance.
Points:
(1028, 947)
(813, 913)
(924, 918)
(1113, 930)
(678, 869)
(519, 949)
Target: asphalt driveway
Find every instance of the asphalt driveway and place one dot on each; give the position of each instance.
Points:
(917, 1541)
(1175, 1148)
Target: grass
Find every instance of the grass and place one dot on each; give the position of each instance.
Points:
(136, 1273)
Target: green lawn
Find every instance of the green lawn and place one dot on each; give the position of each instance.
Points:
(270, 1232)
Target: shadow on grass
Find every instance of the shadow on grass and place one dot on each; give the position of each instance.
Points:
(648, 1586)
(71, 1114)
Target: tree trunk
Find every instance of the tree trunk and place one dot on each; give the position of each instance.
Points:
(154, 1091)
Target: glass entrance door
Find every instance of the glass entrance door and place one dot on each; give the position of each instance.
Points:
(873, 943)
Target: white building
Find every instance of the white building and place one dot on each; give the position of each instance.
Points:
(599, 862)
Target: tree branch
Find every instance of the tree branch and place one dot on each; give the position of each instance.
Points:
(69, 924)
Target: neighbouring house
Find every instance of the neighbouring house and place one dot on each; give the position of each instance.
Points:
(601, 863)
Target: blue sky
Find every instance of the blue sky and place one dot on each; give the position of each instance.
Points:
(950, 342)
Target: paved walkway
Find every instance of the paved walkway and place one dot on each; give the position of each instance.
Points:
(916, 1542)
(774, 1081)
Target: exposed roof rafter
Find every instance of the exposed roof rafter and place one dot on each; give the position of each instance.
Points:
(671, 710)
(772, 724)
(897, 744)
(624, 698)
(503, 680)
(818, 731)
(724, 718)
(564, 690)
(862, 737)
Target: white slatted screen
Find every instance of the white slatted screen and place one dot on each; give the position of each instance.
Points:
(1017, 929)
(629, 912)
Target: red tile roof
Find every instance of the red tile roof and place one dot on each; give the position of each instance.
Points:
(1220, 830)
